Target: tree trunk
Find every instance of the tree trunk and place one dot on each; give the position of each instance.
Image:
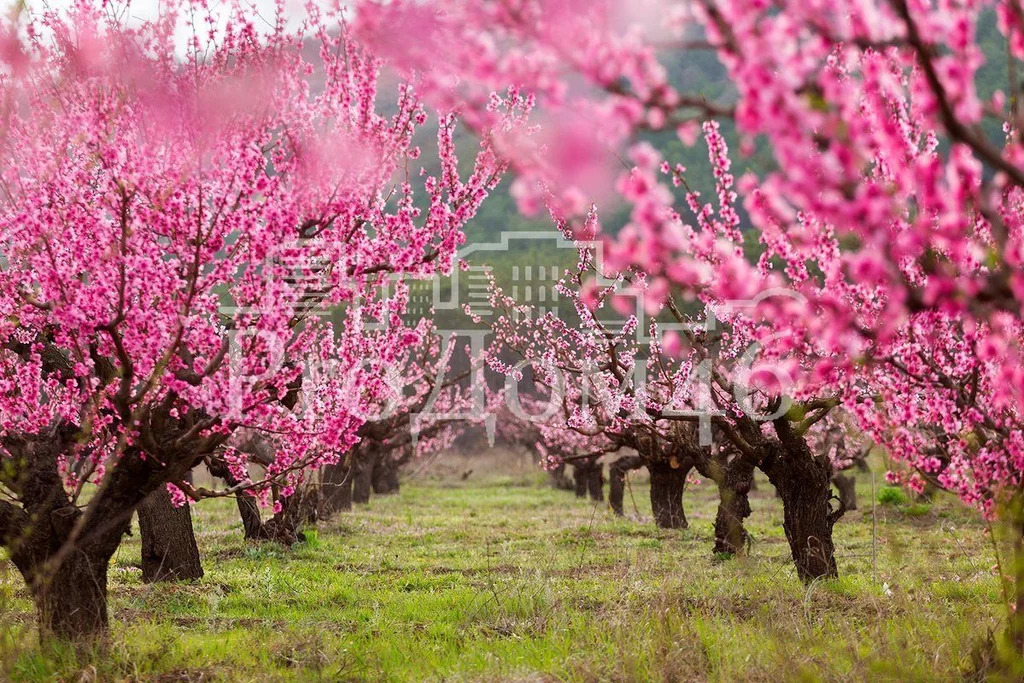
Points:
(391, 482)
(847, 487)
(588, 477)
(62, 552)
(304, 504)
(363, 482)
(806, 520)
(300, 509)
(617, 480)
(335, 490)
(72, 602)
(559, 480)
(385, 476)
(616, 488)
(64, 561)
(252, 519)
(802, 481)
(169, 550)
(595, 483)
(579, 479)
(281, 528)
(248, 507)
(731, 537)
(64, 555)
(667, 484)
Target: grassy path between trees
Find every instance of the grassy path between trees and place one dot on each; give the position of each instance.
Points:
(506, 579)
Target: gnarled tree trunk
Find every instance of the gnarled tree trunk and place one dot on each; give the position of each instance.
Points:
(71, 600)
(248, 507)
(802, 482)
(667, 484)
(300, 509)
(617, 480)
(169, 550)
(733, 474)
(731, 536)
(588, 476)
(62, 552)
(595, 483)
(252, 520)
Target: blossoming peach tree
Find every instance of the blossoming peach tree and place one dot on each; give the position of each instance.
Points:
(172, 223)
(438, 389)
(892, 203)
(709, 404)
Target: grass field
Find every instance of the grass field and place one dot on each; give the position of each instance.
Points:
(503, 578)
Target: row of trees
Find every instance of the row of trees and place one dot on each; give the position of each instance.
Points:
(176, 227)
(175, 223)
(613, 392)
(890, 212)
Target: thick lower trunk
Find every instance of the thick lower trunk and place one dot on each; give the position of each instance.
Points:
(806, 519)
(335, 490)
(281, 529)
(67, 577)
(169, 550)
(595, 484)
(802, 482)
(588, 478)
(62, 552)
(300, 509)
(847, 487)
(71, 602)
(731, 537)
(385, 476)
(579, 480)
(667, 484)
(363, 482)
(304, 505)
(617, 481)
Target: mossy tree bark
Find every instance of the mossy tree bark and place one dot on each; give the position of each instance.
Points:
(733, 474)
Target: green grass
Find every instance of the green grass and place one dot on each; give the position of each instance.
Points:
(893, 495)
(505, 579)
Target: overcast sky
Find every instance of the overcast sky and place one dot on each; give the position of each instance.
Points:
(148, 9)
